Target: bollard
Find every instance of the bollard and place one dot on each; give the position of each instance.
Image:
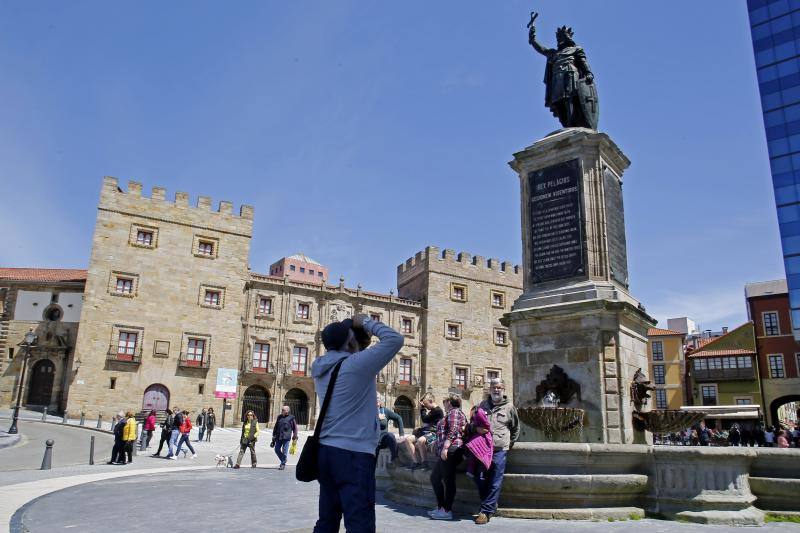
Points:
(143, 440)
(44, 415)
(135, 448)
(83, 418)
(64, 420)
(100, 421)
(91, 450)
(48, 455)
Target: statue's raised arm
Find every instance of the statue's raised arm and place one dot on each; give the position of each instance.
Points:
(570, 93)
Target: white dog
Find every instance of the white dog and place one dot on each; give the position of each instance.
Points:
(222, 460)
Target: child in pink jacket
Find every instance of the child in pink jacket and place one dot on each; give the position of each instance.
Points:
(479, 444)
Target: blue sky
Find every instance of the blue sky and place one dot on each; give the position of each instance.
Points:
(364, 131)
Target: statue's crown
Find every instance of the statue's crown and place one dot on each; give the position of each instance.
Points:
(564, 31)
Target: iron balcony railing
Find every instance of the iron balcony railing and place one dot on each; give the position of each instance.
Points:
(191, 361)
(252, 369)
(124, 355)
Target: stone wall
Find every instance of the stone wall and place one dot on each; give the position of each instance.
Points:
(435, 278)
(166, 307)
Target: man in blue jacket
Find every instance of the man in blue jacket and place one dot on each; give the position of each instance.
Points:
(350, 430)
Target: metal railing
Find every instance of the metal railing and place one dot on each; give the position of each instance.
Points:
(251, 369)
(186, 360)
(114, 355)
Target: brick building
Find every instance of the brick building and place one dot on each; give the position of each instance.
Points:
(778, 351)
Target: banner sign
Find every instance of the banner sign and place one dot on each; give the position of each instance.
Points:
(227, 383)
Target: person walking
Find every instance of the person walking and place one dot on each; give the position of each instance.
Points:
(201, 424)
(149, 427)
(129, 437)
(386, 439)
(504, 427)
(118, 450)
(349, 435)
(185, 429)
(175, 432)
(248, 439)
(783, 442)
(166, 432)
(283, 433)
(734, 437)
(449, 440)
(211, 423)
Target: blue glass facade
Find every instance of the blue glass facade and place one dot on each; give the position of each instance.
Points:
(775, 28)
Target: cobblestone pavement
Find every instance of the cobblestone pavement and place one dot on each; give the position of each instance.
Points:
(256, 500)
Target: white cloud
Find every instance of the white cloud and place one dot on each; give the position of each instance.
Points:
(710, 309)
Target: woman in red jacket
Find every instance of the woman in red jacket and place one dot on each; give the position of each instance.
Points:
(150, 426)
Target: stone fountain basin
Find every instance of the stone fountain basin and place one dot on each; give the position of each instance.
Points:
(552, 419)
(670, 420)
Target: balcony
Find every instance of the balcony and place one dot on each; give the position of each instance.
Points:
(114, 355)
(250, 369)
(191, 361)
(413, 382)
(461, 384)
(721, 374)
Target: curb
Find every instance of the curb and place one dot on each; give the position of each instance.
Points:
(98, 430)
(6, 440)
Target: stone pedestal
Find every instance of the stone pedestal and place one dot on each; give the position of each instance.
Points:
(575, 311)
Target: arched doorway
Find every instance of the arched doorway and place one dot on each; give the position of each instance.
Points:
(405, 408)
(777, 403)
(256, 399)
(41, 384)
(156, 396)
(298, 404)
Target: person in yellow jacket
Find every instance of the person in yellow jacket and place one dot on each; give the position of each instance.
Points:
(250, 433)
(129, 437)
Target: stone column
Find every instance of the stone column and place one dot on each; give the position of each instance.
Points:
(575, 311)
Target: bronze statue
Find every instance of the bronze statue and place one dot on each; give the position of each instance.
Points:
(571, 93)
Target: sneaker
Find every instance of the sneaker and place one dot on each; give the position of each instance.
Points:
(433, 511)
(194, 456)
(253, 465)
(482, 519)
(173, 457)
(156, 455)
(441, 514)
(235, 466)
(282, 467)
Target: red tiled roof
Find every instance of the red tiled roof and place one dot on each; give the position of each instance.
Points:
(42, 274)
(717, 353)
(658, 332)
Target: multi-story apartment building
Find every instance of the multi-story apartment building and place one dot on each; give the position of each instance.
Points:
(168, 300)
(778, 351)
(724, 371)
(665, 355)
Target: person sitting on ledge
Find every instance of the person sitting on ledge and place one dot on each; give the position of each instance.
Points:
(423, 439)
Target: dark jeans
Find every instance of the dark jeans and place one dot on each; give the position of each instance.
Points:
(149, 437)
(164, 438)
(443, 478)
(128, 448)
(489, 482)
(118, 451)
(200, 434)
(346, 487)
(282, 449)
(184, 438)
(208, 434)
(387, 441)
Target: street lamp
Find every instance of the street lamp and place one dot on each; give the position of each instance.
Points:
(27, 343)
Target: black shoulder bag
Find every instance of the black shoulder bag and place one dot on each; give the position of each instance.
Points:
(308, 464)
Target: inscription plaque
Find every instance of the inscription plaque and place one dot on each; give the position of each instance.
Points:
(615, 228)
(556, 222)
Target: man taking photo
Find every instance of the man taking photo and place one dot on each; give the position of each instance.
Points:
(350, 430)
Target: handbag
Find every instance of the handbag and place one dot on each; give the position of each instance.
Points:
(308, 464)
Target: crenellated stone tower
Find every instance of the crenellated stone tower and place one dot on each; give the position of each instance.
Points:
(463, 299)
(576, 311)
(164, 301)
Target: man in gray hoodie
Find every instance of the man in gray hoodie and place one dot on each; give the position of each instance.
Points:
(350, 430)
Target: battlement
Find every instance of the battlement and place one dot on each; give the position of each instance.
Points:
(432, 259)
(112, 189)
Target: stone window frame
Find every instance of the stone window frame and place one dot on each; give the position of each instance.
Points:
(458, 324)
(663, 373)
(134, 234)
(489, 379)
(214, 241)
(467, 376)
(263, 342)
(378, 317)
(782, 370)
(410, 332)
(161, 354)
(194, 335)
(295, 315)
(777, 324)
(400, 359)
(505, 333)
(201, 296)
(463, 286)
(502, 295)
(270, 315)
(116, 275)
(304, 372)
(116, 329)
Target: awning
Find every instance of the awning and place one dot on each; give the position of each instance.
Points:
(738, 412)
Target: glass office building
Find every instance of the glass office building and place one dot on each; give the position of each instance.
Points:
(775, 28)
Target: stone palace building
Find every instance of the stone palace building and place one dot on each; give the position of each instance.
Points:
(169, 298)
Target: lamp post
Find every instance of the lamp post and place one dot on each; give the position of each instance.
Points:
(27, 343)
